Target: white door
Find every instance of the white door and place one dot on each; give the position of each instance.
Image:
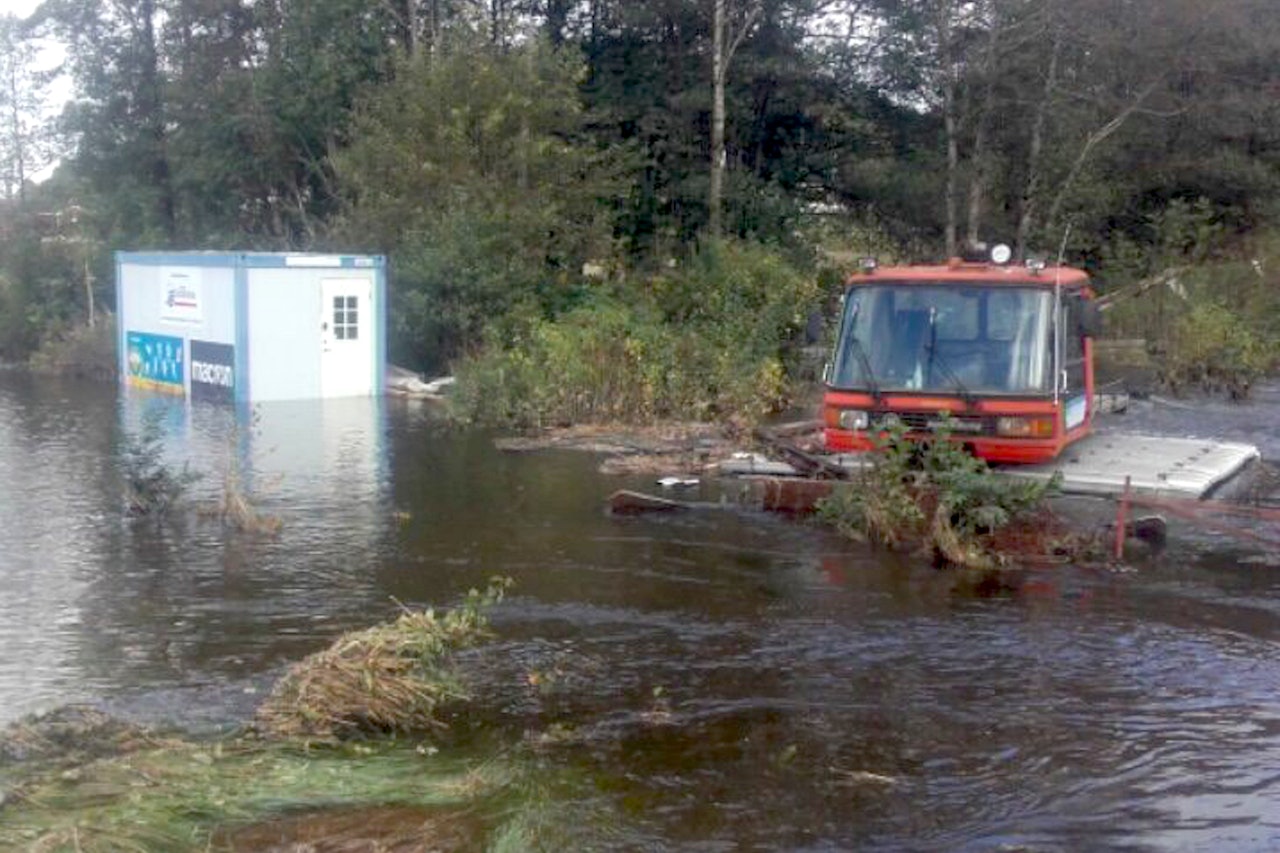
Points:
(346, 348)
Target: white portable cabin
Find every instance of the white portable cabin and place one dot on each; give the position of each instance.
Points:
(252, 326)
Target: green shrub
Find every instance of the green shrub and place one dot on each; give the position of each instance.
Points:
(1213, 348)
(705, 341)
(84, 351)
(934, 493)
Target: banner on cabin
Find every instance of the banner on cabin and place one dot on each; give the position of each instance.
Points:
(155, 362)
(213, 372)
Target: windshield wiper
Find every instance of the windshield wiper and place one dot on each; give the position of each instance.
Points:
(864, 361)
(934, 358)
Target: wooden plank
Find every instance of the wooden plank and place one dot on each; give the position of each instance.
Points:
(625, 502)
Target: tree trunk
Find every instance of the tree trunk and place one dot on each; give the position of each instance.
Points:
(556, 20)
(18, 142)
(716, 194)
(951, 193)
(724, 44)
(412, 38)
(498, 12)
(151, 107)
(433, 28)
(981, 168)
(88, 284)
(950, 125)
(1030, 191)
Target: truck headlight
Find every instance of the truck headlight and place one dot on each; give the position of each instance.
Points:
(850, 419)
(1022, 427)
(854, 419)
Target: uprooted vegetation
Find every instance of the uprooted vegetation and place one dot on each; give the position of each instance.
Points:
(389, 679)
(249, 795)
(342, 759)
(937, 496)
(234, 507)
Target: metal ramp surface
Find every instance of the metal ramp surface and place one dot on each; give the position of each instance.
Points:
(1181, 467)
(1095, 465)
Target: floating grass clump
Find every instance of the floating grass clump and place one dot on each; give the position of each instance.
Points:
(72, 734)
(249, 795)
(388, 679)
(80, 781)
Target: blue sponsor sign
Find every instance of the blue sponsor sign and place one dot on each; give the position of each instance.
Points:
(155, 361)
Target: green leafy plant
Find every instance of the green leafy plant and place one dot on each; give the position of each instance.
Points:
(934, 493)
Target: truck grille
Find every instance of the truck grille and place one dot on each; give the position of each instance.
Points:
(931, 421)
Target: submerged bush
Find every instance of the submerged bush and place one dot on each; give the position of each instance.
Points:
(152, 487)
(706, 341)
(934, 493)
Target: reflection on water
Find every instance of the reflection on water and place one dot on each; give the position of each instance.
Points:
(726, 680)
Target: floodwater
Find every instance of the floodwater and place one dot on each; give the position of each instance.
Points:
(720, 680)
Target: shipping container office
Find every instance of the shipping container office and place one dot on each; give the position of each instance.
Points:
(252, 326)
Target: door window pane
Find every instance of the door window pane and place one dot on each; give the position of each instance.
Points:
(346, 318)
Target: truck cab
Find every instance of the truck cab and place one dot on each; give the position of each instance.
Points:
(1001, 354)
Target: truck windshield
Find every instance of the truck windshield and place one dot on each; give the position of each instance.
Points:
(945, 338)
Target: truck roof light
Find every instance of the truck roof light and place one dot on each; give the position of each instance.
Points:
(868, 265)
(1035, 265)
(1001, 254)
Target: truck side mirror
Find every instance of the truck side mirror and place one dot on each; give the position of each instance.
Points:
(1090, 323)
(813, 328)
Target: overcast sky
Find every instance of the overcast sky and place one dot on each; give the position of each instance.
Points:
(21, 8)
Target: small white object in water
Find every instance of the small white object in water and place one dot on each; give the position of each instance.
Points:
(672, 482)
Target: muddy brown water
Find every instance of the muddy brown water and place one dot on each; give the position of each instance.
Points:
(720, 680)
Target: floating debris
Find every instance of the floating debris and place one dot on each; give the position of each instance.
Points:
(391, 678)
(678, 482)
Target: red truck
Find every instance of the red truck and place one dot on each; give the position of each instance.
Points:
(1005, 350)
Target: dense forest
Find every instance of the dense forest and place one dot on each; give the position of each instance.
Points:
(644, 199)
